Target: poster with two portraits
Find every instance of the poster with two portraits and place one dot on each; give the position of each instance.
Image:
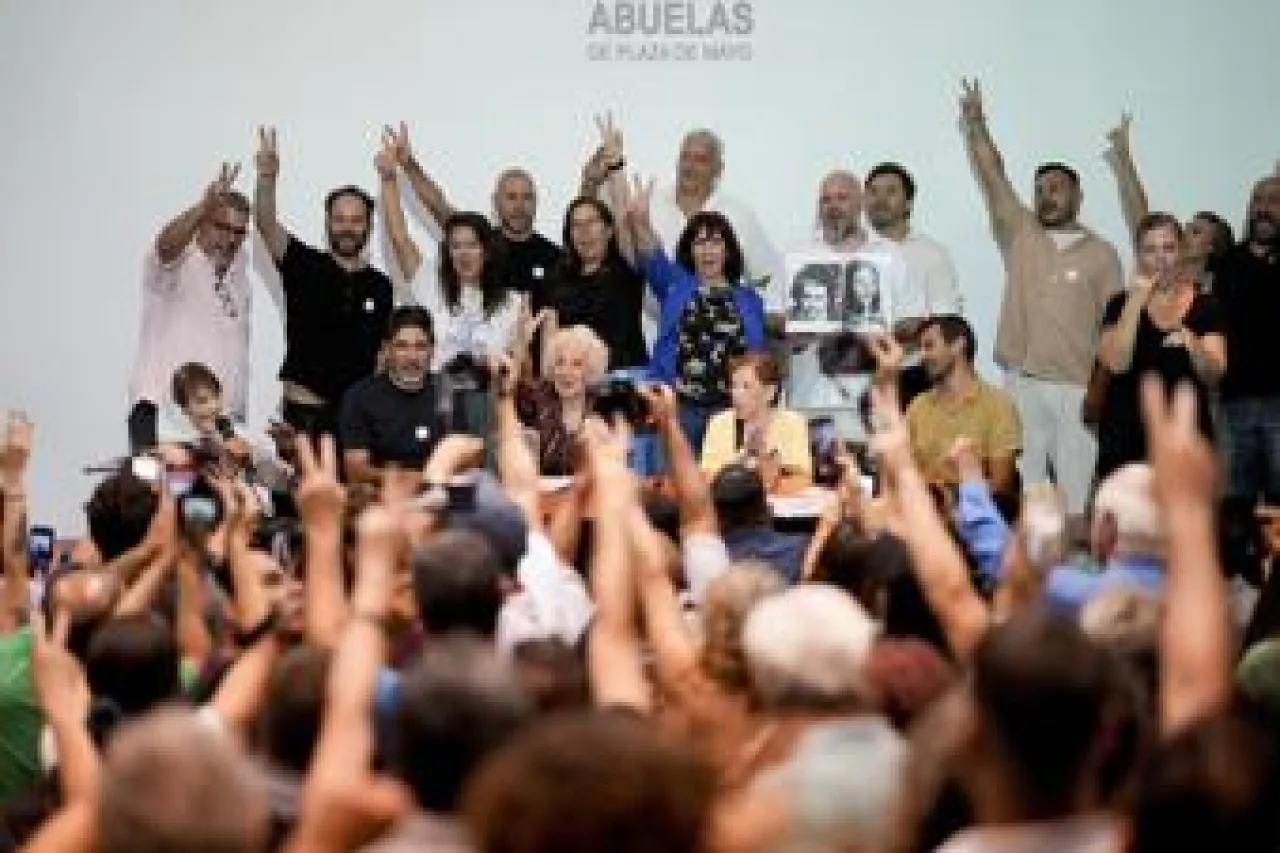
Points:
(834, 297)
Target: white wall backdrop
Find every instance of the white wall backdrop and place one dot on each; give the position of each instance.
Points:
(115, 115)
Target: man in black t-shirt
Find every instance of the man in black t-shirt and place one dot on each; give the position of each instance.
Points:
(530, 258)
(1247, 282)
(392, 417)
(336, 305)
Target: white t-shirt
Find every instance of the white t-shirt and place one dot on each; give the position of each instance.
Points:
(465, 329)
(813, 392)
(187, 316)
(930, 285)
(553, 602)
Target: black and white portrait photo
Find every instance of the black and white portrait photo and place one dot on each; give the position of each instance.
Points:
(814, 289)
(831, 293)
(863, 306)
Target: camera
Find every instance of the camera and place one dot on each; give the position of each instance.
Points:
(467, 371)
(619, 397)
(200, 510)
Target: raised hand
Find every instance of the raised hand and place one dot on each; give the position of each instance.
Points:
(611, 147)
(1118, 136)
(971, 100)
(890, 440)
(15, 453)
(221, 185)
(963, 454)
(888, 353)
(396, 141)
(57, 679)
(456, 452)
(319, 496)
(1185, 471)
(267, 160)
(661, 401)
(638, 201)
(386, 161)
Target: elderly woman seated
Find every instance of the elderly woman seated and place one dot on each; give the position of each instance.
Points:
(573, 359)
(757, 432)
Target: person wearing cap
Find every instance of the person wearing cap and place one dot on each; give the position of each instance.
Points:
(746, 524)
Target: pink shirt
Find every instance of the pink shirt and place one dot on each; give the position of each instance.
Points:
(187, 316)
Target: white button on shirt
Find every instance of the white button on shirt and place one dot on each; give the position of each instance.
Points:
(188, 317)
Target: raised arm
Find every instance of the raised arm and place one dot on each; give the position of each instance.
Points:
(265, 218)
(395, 150)
(1133, 197)
(321, 501)
(643, 235)
(613, 181)
(697, 512)
(177, 234)
(429, 193)
(1115, 345)
(614, 661)
(14, 456)
(1195, 634)
(1002, 201)
(516, 465)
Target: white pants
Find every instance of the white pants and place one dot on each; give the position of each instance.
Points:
(1054, 434)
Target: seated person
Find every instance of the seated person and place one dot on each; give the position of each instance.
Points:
(961, 404)
(194, 429)
(746, 525)
(573, 359)
(393, 417)
(771, 438)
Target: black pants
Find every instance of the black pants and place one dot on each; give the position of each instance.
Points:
(143, 427)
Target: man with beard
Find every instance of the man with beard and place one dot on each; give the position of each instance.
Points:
(336, 305)
(930, 285)
(961, 405)
(811, 386)
(1059, 277)
(1247, 282)
(529, 258)
(392, 417)
(196, 305)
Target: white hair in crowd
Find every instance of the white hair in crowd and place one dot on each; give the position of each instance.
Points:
(807, 648)
(577, 339)
(841, 175)
(1126, 498)
(712, 141)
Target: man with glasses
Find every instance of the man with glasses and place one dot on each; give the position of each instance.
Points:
(195, 306)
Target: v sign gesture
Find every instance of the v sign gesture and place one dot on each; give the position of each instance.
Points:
(267, 160)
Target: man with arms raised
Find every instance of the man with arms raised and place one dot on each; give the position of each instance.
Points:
(336, 305)
(1059, 278)
(195, 306)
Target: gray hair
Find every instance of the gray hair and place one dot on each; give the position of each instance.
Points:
(711, 140)
(1126, 497)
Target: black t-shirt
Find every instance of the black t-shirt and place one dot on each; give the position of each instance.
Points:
(1249, 289)
(1121, 437)
(334, 320)
(529, 265)
(399, 427)
(610, 303)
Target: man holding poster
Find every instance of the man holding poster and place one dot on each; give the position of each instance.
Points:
(839, 285)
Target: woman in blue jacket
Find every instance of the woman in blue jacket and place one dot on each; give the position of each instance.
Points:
(709, 313)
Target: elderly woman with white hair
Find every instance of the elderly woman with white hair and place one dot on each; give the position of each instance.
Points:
(556, 406)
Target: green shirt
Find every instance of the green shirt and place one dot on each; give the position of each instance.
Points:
(20, 716)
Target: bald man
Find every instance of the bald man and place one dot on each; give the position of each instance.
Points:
(840, 233)
(530, 258)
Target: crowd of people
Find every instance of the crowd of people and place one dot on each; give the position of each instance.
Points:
(508, 571)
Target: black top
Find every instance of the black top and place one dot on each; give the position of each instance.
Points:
(399, 427)
(609, 302)
(334, 320)
(1249, 289)
(1121, 437)
(529, 265)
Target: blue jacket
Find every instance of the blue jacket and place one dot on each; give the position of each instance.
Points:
(675, 287)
